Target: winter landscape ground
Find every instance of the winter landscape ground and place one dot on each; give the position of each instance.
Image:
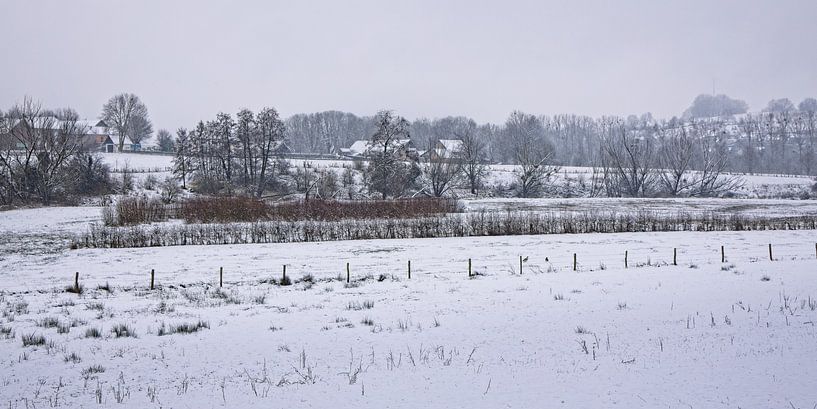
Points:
(683, 324)
(698, 334)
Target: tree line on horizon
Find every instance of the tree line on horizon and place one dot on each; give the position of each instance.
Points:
(633, 156)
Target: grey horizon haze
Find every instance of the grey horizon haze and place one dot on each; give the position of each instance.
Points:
(188, 60)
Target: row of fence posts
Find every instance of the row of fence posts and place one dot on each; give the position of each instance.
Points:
(470, 272)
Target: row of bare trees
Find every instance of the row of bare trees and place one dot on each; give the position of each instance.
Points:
(226, 154)
(780, 139)
(681, 159)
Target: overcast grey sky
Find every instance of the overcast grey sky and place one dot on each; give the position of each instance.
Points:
(190, 59)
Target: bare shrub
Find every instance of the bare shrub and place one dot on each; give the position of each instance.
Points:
(134, 210)
(246, 209)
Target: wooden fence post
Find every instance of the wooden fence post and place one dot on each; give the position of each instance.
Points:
(674, 256)
(220, 277)
(520, 265)
(723, 255)
(284, 276)
(770, 252)
(574, 261)
(469, 267)
(76, 282)
(348, 274)
(625, 258)
(152, 272)
(409, 269)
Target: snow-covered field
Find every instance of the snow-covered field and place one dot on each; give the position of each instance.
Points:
(699, 334)
(748, 207)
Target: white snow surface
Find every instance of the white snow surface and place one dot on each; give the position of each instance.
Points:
(699, 334)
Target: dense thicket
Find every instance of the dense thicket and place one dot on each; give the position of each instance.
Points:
(456, 225)
(44, 157)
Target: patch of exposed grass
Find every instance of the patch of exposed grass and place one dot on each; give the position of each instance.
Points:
(123, 331)
(183, 328)
(33, 340)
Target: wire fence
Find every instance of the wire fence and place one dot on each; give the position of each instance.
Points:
(564, 260)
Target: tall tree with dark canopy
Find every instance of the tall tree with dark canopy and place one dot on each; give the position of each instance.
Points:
(127, 116)
(270, 134)
(164, 139)
(388, 175)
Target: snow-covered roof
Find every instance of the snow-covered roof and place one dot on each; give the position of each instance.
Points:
(362, 147)
(359, 147)
(451, 145)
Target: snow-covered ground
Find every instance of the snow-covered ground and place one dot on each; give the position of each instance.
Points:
(763, 207)
(699, 334)
(137, 161)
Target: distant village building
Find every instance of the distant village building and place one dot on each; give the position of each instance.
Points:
(95, 136)
(445, 150)
(404, 149)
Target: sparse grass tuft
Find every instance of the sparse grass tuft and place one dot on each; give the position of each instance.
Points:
(285, 281)
(367, 321)
(78, 290)
(184, 328)
(582, 330)
(93, 333)
(33, 340)
(105, 287)
(229, 298)
(49, 322)
(765, 278)
(91, 370)
(558, 297)
(123, 331)
(73, 358)
(357, 306)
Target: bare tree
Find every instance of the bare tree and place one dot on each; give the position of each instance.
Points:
(693, 159)
(388, 175)
(532, 153)
(675, 159)
(37, 153)
(441, 172)
(120, 113)
(182, 162)
(627, 157)
(165, 141)
(140, 129)
(245, 133)
(270, 135)
(472, 156)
